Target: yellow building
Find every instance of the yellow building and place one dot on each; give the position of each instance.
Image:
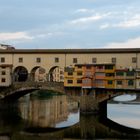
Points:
(69, 77)
(110, 76)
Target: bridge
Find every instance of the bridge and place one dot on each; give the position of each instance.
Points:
(19, 89)
(94, 101)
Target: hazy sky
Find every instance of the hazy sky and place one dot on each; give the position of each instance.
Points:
(70, 23)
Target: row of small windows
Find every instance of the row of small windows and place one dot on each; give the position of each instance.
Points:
(128, 73)
(79, 81)
(38, 60)
(78, 73)
(109, 82)
(119, 82)
(130, 82)
(75, 60)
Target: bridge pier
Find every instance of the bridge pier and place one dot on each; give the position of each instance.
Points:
(88, 104)
(93, 101)
(88, 101)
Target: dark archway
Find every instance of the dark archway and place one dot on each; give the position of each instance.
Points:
(20, 74)
(36, 69)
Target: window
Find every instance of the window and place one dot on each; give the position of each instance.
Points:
(38, 60)
(70, 81)
(100, 67)
(109, 67)
(79, 66)
(61, 72)
(119, 82)
(99, 74)
(2, 59)
(70, 73)
(61, 77)
(56, 59)
(110, 82)
(79, 73)
(79, 81)
(113, 60)
(109, 74)
(3, 80)
(134, 59)
(88, 67)
(20, 60)
(130, 73)
(94, 60)
(3, 73)
(75, 60)
(119, 73)
(3, 67)
(130, 83)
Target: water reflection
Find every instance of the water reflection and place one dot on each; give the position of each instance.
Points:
(34, 118)
(125, 97)
(52, 111)
(126, 113)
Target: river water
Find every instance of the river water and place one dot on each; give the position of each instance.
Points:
(43, 115)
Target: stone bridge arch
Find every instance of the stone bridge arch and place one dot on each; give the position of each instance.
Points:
(55, 73)
(38, 74)
(20, 74)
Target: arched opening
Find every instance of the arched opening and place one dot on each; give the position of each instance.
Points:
(20, 74)
(56, 74)
(38, 74)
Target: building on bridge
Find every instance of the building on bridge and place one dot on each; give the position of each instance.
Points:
(41, 64)
(90, 76)
(107, 76)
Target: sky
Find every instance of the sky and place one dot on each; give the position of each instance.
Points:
(70, 24)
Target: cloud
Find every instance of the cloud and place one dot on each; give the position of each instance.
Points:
(132, 22)
(86, 19)
(84, 10)
(45, 34)
(131, 43)
(104, 26)
(15, 36)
